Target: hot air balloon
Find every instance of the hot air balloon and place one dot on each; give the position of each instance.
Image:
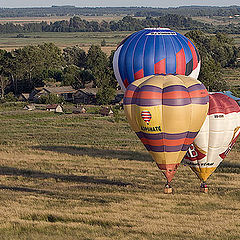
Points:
(166, 112)
(216, 138)
(154, 51)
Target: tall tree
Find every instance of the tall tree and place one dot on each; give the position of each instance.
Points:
(5, 79)
(216, 52)
(75, 55)
(97, 62)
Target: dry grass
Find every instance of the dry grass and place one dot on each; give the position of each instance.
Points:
(23, 20)
(86, 177)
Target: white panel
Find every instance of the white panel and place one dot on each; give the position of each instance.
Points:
(116, 69)
(195, 72)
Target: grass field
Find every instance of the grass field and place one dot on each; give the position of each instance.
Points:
(23, 20)
(62, 40)
(87, 177)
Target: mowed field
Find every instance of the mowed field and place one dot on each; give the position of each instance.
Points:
(62, 40)
(83, 39)
(23, 20)
(65, 39)
(88, 177)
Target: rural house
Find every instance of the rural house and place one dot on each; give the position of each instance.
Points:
(79, 110)
(85, 96)
(119, 97)
(55, 108)
(29, 107)
(106, 111)
(67, 92)
(24, 97)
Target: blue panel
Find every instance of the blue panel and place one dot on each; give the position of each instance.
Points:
(171, 56)
(177, 44)
(198, 57)
(160, 51)
(187, 50)
(138, 53)
(122, 55)
(129, 59)
(148, 63)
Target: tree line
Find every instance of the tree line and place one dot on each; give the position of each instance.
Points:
(133, 11)
(24, 69)
(127, 23)
(217, 52)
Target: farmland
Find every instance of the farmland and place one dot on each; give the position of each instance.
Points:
(88, 177)
(62, 40)
(23, 20)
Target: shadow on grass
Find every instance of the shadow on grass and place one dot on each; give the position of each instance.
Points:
(24, 189)
(97, 152)
(227, 167)
(59, 177)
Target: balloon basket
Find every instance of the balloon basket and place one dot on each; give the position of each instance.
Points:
(203, 188)
(168, 189)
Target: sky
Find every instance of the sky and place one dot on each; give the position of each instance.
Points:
(116, 3)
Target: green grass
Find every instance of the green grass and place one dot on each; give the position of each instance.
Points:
(83, 39)
(87, 177)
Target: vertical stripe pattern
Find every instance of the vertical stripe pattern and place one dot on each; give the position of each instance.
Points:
(154, 51)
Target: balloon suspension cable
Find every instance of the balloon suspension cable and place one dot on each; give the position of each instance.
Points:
(204, 187)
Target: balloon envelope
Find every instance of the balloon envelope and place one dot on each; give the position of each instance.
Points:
(166, 112)
(217, 136)
(154, 51)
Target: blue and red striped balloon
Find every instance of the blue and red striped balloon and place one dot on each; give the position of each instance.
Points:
(154, 51)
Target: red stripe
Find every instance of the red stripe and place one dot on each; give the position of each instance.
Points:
(125, 82)
(167, 142)
(198, 93)
(139, 74)
(160, 67)
(167, 95)
(194, 55)
(181, 62)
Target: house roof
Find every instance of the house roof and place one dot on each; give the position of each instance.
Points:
(60, 90)
(89, 91)
(30, 106)
(26, 95)
(53, 106)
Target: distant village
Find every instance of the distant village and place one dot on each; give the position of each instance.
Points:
(80, 98)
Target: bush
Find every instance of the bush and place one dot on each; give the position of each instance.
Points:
(10, 97)
(51, 99)
(105, 95)
(116, 114)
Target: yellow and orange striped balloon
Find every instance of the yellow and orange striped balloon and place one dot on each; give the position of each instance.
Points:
(166, 112)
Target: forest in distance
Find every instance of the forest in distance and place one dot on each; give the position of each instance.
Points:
(127, 23)
(133, 11)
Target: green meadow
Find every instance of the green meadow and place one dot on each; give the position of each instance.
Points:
(83, 39)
